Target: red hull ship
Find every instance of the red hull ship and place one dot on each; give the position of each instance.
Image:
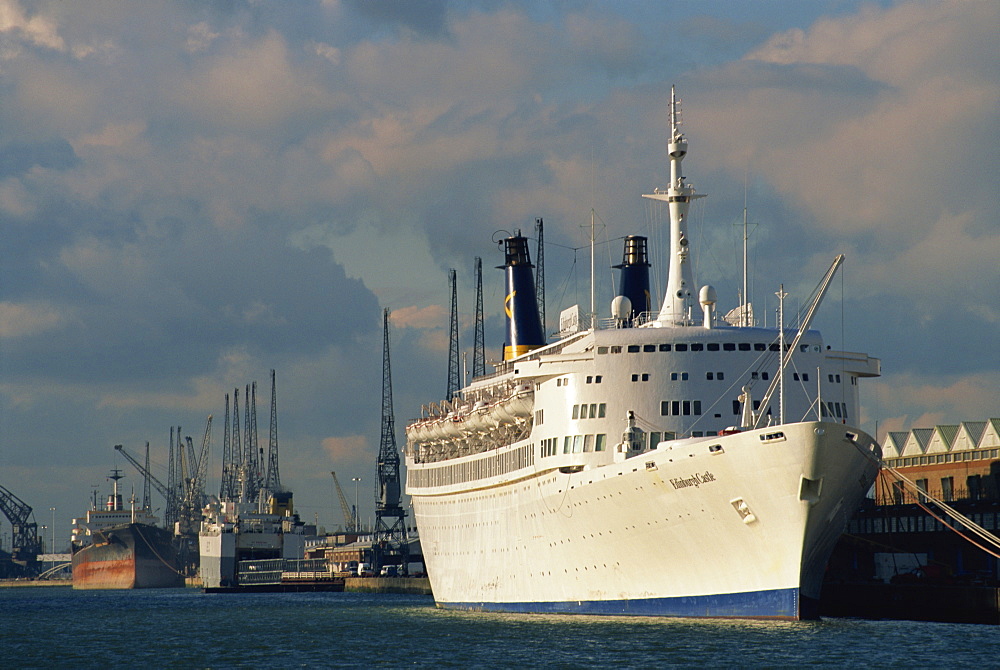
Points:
(115, 548)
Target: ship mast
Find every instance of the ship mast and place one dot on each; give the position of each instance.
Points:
(679, 298)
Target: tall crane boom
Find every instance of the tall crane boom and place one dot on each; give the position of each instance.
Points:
(786, 356)
(349, 520)
(201, 474)
(163, 489)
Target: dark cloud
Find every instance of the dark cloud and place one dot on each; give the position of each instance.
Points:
(16, 158)
(424, 17)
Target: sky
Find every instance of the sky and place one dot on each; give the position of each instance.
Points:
(195, 193)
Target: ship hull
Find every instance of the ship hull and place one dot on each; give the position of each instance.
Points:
(736, 526)
(133, 556)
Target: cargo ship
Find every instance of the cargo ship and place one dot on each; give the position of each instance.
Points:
(669, 462)
(119, 548)
(234, 533)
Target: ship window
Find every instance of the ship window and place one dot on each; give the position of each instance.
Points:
(823, 407)
(843, 406)
(577, 444)
(684, 376)
(593, 410)
(805, 376)
(590, 379)
(633, 348)
(567, 443)
(838, 379)
(759, 346)
(710, 376)
(744, 346)
(601, 410)
(600, 441)
(830, 377)
(540, 417)
(576, 411)
(775, 346)
(754, 375)
(713, 346)
(795, 376)
(649, 347)
(588, 443)
(654, 439)
(597, 379)
(673, 376)
(602, 350)
(645, 376)
(664, 408)
(696, 433)
(764, 375)
(687, 407)
(635, 378)
(680, 347)
(665, 347)
(697, 346)
(616, 349)
(697, 407)
(736, 407)
(729, 346)
(720, 376)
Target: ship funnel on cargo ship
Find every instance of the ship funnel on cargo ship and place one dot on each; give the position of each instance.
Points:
(635, 276)
(524, 326)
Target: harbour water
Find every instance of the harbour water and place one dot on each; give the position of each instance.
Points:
(184, 628)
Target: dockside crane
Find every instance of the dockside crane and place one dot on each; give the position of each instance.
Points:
(390, 544)
(479, 339)
(25, 543)
(350, 514)
(454, 377)
(272, 478)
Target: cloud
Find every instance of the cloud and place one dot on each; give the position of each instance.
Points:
(21, 320)
(37, 29)
(432, 316)
(913, 400)
(345, 449)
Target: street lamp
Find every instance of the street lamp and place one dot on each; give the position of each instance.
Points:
(357, 516)
(53, 510)
(44, 527)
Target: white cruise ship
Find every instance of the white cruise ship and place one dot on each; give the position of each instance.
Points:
(668, 463)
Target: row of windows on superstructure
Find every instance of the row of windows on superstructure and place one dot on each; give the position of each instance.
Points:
(592, 411)
(492, 465)
(833, 409)
(710, 376)
(695, 346)
(574, 444)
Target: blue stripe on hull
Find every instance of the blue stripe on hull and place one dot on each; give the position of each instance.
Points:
(776, 604)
